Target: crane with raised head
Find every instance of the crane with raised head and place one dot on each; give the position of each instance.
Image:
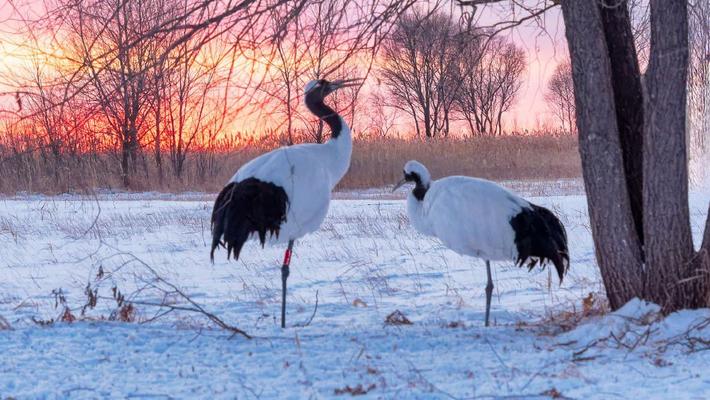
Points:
(286, 192)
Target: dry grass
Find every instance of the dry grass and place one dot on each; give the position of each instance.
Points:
(380, 162)
(4, 324)
(375, 163)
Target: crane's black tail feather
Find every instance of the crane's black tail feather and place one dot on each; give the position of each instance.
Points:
(246, 207)
(540, 236)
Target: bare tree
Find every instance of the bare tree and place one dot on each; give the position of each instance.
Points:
(491, 76)
(318, 43)
(191, 102)
(699, 91)
(381, 121)
(643, 243)
(639, 13)
(286, 67)
(419, 68)
(119, 81)
(633, 145)
(560, 96)
(124, 64)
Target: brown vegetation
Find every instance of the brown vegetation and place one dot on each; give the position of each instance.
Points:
(375, 163)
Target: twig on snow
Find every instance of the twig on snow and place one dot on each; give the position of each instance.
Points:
(312, 315)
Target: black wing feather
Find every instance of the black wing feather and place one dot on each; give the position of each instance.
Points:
(539, 235)
(246, 207)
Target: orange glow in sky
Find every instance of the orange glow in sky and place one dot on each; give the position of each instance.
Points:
(544, 50)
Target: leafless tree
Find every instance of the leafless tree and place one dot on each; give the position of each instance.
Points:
(419, 68)
(633, 145)
(640, 218)
(192, 102)
(381, 120)
(287, 68)
(491, 76)
(699, 90)
(106, 41)
(560, 96)
(120, 58)
(318, 43)
(639, 13)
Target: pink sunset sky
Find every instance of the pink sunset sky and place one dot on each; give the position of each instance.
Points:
(542, 40)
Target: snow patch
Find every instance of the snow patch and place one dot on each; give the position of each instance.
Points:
(640, 322)
(634, 313)
(364, 263)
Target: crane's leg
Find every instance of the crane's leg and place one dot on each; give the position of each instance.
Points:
(284, 277)
(489, 291)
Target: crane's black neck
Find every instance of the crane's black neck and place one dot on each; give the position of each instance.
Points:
(314, 102)
(419, 192)
(420, 189)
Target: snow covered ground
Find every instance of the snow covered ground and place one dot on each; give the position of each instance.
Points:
(364, 264)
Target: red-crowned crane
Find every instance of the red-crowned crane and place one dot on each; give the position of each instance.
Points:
(479, 218)
(285, 192)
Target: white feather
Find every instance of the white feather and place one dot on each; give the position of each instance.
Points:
(307, 173)
(469, 215)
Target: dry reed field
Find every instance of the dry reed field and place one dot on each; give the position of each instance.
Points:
(375, 163)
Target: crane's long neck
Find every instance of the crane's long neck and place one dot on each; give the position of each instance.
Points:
(340, 143)
(417, 215)
(419, 190)
(328, 115)
(420, 187)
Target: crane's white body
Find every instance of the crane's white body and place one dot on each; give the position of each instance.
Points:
(478, 218)
(307, 173)
(285, 192)
(469, 215)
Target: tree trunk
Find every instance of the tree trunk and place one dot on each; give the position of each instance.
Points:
(124, 163)
(628, 97)
(289, 115)
(427, 124)
(657, 262)
(616, 243)
(156, 148)
(702, 262)
(669, 249)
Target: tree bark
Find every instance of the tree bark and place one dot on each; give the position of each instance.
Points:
(124, 163)
(670, 271)
(616, 243)
(157, 142)
(628, 97)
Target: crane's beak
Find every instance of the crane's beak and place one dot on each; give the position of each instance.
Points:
(399, 184)
(342, 83)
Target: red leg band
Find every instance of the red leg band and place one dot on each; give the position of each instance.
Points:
(287, 257)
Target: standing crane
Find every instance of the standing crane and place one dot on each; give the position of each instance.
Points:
(285, 192)
(479, 218)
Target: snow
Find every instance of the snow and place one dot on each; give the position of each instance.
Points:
(362, 265)
(634, 313)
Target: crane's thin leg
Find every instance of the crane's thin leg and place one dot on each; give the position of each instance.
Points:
(489, 291)
(284, 277)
